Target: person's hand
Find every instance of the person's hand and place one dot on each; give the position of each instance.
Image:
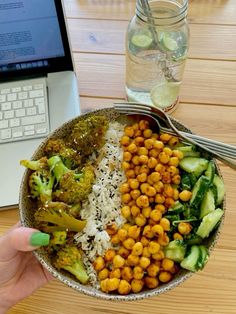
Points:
(20, 273)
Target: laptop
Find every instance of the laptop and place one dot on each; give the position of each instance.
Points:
(38, 85)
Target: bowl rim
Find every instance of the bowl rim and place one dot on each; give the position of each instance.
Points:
(89, 290)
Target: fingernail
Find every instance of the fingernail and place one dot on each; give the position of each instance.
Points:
(39, 239)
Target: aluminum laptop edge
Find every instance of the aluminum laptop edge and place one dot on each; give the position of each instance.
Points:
(62, 86)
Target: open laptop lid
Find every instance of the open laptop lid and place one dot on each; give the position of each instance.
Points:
(33, 39)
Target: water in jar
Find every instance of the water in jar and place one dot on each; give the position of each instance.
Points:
(147, 62)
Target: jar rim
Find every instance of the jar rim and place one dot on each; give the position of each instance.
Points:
(145, 13)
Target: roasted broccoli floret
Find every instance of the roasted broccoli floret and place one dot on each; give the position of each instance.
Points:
(88, 134)
(59, 169)
(58, 238)
(35, 164)
(58, 214)
(72, 187)
(70, 156)
(41, 184)
(69, 259)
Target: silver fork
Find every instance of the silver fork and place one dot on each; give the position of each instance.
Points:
(215, 150)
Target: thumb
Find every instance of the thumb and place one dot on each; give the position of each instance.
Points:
(21, 239)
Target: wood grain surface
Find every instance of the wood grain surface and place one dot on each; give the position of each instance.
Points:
(208, 107)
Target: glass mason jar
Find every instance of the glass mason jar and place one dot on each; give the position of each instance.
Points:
(157, 42)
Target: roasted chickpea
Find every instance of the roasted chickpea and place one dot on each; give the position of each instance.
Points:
(146, 211)
(115, 239)
(132, 260)
(164, 158)
(150, 191)
(155, 176)
(154, 153)
(146, 252)
(135, 194)
(159, 186)
(153, 270)
(125, 165)
(99, 264)
(144, 241)
(158, 256)
(157, 230)
(161, 208)
(147, 133)
(165, 137)
(122, 234)
(177, 236)
(185, 195)
(125, 140)
(135, 160)
(143, 159)
(142, 201)
(103, 274)
(139, 141)
(115, 273)
(135, 210)
(109, 255)
(129, 131)
(103, 285)
(166, 177)
(123, 252)
(144, 169)
(142, 151)
(174, 161)
(124, 287)
(158, 145)
(155, 215)
(112, 284)
(178, 154)
(134, 232)
(138, 272)
(124, 188)
(184, 228)
(125, 211)
(118, 261)
(149, 143)
(130, 173)
(143, 125)
(165, 276)
(132, 148)
(134, 184)
(165, 223)
(167, 264)
(176, 179)
(128, 243)
(164, 240)
(152, 162)
(127, 156)
(137, 249)
(148, 232)
(151, 282)
(144, 262)
(153, 247)
(125, 198)
(159, 198)
(140, 220)
(137, 285)
(127, 273)
(173, 141)
(142, 177)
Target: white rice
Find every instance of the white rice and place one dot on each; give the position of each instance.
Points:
(104, 202)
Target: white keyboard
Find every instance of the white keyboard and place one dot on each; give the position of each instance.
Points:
(23, 110)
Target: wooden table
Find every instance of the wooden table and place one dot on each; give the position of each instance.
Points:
(208, 107)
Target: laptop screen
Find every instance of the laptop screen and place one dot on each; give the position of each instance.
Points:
(33, 38)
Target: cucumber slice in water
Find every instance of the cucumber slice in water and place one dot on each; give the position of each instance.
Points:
(142, 39)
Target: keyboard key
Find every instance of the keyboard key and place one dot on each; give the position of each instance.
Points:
(1, 115)
(33, 119)
(39, 101)
(20, 112)
(14, 122)
(36, 93)
(3, 98)
(16, 89)
(41, 130)
(28, 133)
(9, 114)
(17, 104)
(6, 134)
(22, 95)
(11, 97)
(28, 103)
(27, 87)
(6, 106)
(5, 91)
(29, 127)
(38, 86)
(17, 134)
(31, 111)
(3, 124)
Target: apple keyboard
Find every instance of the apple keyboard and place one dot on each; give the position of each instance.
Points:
(23, 110)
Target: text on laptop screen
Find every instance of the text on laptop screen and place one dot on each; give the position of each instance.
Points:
(30, 34)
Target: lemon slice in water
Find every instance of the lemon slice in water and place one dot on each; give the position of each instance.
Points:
(165, 94)
(142, 39)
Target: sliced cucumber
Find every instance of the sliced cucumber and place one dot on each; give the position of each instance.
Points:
(199, 191)
(207, 204)
(190, 262)
(194, 165)
(211, 169)
(220, 187)
(209, 222)
(175, 250)
(203, 258)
